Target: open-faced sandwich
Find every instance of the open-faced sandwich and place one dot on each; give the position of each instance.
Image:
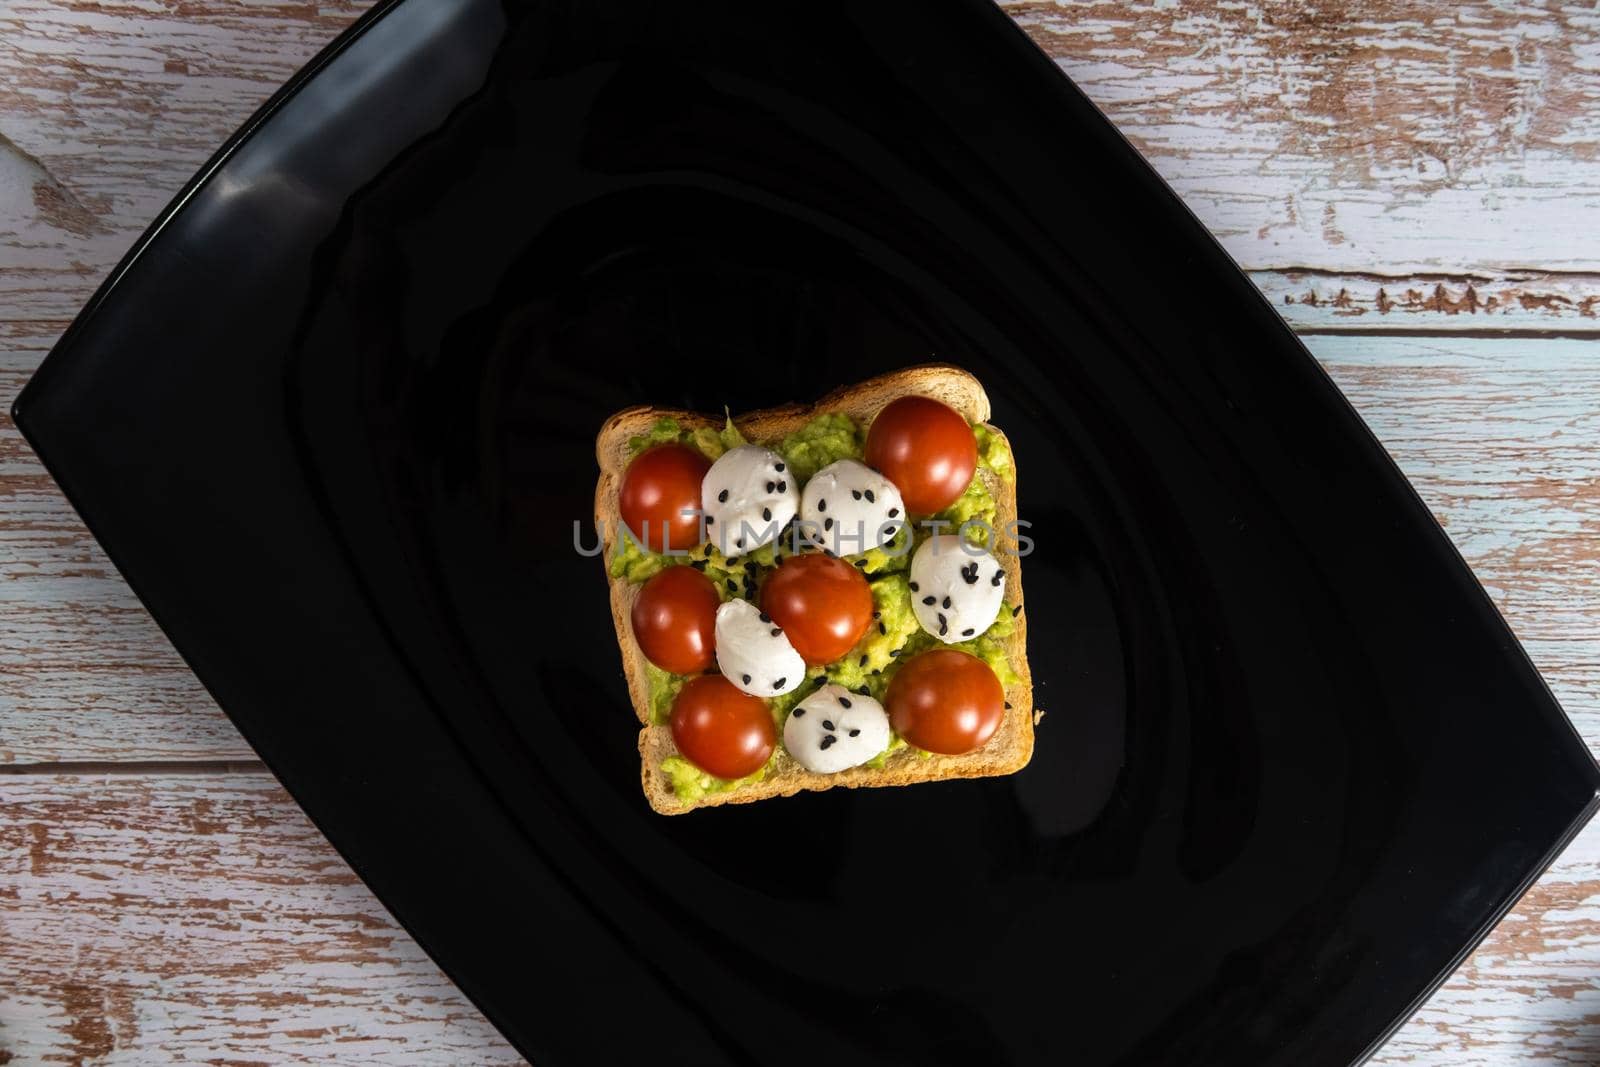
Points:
(809, 597)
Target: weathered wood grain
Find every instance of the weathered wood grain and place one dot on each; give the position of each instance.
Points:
(203, 919)
(1390, 135)
(108, 106)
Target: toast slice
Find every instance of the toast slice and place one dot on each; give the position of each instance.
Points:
(1006, 752)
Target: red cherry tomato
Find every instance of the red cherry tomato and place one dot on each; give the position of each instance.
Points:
(721, 730)
(659, 486)
(823, 604)
(675, 620)
(945, 701)
(926, 449)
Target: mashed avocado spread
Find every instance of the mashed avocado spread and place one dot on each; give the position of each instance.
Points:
(894, 634)
(825, 439)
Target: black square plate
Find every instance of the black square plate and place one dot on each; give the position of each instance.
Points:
(334, 420)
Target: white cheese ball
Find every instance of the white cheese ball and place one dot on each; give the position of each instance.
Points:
(748, 497)
(754, 653)
(834, 729)
(849, 508)
(956, 588)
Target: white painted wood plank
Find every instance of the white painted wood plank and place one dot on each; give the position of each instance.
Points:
(204, 920)
(1373, 135)
(106, 110)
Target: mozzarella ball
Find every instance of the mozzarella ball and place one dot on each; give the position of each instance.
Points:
(956, 588)
(849, 508)
(754, 654)
(748, 497)
(834, 729)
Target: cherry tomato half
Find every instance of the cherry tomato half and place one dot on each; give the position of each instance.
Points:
(675, 620)
(823, 604)
(721, 730)
(945, 701)
(659, 486)
(926, 449)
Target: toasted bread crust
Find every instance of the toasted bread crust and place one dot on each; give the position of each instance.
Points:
(1011, 747)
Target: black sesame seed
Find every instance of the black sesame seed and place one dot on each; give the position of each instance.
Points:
(893, 652)
(944, 627)
(766, 514)
(870, 498)
(783, 485)
(779, 683)
(946, 604)
(722, 497)
(822, 505)
(763, 616)
(894, 513)
(968, 632)
(999, 576)
(698, 564)
(877, 614)
(855, 733)
(799, 712)
(882, 629)
(709, 520)
(828, 740)
(913, 587)
(844, 702)
(778, 468)
(733, 586)
(746, 678)
(750, 568)
(1016, 610)
(1008, 705)
(827, 724)
(828, 523)
(861, 563)
(969, 573)
(776, 631)
(856, 493)
(862, 663)
(930, 600)
(739, 543)
(866, 690)
(771, 486)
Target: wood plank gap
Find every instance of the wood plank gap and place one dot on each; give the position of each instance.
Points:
(134, 768)
(1481, 332)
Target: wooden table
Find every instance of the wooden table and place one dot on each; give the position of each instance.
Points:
(1415, 183)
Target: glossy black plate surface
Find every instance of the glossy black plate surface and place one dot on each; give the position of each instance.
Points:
(334, 420)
